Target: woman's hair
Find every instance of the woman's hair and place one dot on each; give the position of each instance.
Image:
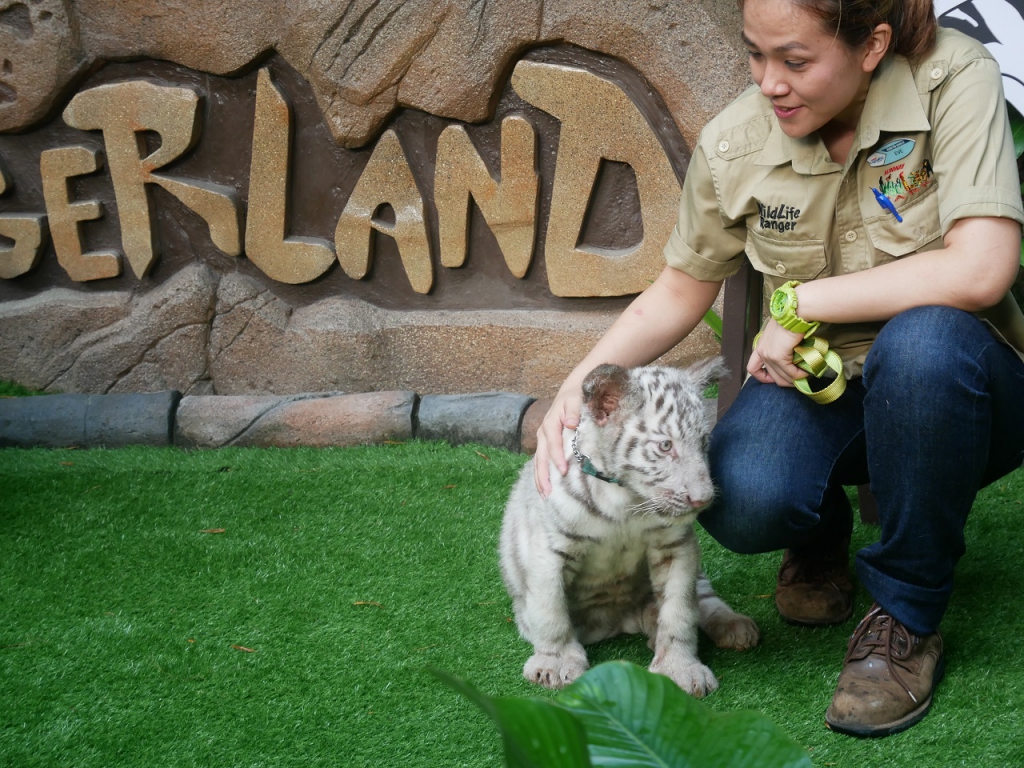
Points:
(913, 22)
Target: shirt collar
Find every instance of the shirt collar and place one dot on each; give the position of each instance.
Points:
(808, 154)
(893, 104)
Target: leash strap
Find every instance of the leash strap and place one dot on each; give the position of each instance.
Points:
(814, 356)
(816, 359)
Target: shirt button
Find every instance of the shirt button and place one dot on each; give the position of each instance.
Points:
(780, 268)
(936, 73)
(850, 236)
(723, 146)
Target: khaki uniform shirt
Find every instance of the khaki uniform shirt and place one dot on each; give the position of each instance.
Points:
(933, 137)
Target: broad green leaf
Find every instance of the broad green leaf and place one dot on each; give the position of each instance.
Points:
(635, 718)
(536, 733)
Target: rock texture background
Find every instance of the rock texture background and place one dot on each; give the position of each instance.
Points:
(367, 57)
(211, 325)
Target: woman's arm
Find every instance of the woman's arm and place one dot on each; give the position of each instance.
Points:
(972, 272)
(657, 320)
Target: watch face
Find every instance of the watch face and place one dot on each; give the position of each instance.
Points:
(779, 304)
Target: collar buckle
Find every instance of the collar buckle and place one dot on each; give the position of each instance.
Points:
(586, 465)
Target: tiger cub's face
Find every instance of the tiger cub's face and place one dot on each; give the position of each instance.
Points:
(653, 430)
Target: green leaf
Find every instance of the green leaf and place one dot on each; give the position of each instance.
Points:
(626, 716)
(1017, 127)
(714, 322)
(636, 718)
(536, 733)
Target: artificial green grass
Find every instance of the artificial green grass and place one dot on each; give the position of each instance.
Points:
(133, 634)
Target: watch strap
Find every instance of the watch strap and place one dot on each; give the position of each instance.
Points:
(789, 319)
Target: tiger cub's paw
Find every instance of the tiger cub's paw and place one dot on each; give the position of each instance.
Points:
(732, 630)
(554, 670)
(692, 676)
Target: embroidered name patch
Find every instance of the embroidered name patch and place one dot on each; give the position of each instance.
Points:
(892, 152)
(779, 218)
(898, 184)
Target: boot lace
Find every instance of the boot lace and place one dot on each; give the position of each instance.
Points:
(880, 634)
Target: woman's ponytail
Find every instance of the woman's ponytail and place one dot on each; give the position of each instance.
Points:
(915, 35)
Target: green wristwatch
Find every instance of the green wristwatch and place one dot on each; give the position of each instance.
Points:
(783, 309)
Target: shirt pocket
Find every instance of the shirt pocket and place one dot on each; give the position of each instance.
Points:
(919, 227)
(788, 259)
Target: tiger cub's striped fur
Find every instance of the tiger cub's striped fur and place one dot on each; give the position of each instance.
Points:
(598, 558)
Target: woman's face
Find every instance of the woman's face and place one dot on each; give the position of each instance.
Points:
(811, 77)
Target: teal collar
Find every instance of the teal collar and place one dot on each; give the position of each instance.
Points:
(587, 466)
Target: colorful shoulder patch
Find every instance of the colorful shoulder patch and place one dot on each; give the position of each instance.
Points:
(895, 150)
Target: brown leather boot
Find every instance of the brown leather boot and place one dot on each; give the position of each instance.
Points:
(815, 591)
(887, 680)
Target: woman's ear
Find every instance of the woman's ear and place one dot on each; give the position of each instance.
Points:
(876, 47)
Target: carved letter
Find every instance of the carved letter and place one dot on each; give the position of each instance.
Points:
(598, 121)
(121, 110)
(509, 206)
(56, 166)
(28, 233)
(386, 179)
(288, 260)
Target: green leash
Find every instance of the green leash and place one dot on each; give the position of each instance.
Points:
(816, 358)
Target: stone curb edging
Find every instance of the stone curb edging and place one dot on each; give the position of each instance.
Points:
(502, 419)
(64, 421)
(166, 418)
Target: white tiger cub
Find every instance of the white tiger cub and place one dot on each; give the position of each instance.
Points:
(612, 549)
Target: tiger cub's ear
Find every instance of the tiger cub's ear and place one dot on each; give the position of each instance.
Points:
(603, 389)
(706, 371)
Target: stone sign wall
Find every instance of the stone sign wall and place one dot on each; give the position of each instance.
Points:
(436, 196)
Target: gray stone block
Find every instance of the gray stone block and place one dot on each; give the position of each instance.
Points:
(49, 421)
(131, 419)
(88, 421)
(490, 418)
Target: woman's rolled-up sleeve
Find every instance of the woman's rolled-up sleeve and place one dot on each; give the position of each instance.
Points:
(703, 244)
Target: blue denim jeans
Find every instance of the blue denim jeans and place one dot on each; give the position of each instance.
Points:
(937, 415)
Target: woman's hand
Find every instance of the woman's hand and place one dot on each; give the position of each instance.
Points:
(564, 413)
(772, 360)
